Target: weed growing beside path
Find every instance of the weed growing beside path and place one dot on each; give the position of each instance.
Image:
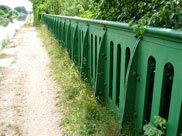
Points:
(3, 55)
(82, 115)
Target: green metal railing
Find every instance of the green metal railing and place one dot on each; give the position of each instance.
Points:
(138, 77)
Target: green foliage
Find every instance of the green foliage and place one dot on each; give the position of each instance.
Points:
(2, 12)
(14, 12)
(21, 9)
(165, 13)
(157, 128)
(5, 42)
(6, 9)
(3, 55)
(44, 6)
(79, 8)
(7, 14)
(158, 13)
(4, 22)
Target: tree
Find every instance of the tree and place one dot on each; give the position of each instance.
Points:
(21, 9)
(6, 9)
(159, 13)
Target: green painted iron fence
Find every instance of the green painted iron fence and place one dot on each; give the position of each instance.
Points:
(137, 76)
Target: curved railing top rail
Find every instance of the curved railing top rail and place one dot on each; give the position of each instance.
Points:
(173, 33)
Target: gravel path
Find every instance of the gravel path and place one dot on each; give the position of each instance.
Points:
(27, 92)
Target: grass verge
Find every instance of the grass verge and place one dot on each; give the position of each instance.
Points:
(29, 22)
(82, 114)
(3, 55)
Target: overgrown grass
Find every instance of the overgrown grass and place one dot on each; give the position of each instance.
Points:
(82, 115)
(3, 55)
(12, 46)
(5, 42)
(29, 22)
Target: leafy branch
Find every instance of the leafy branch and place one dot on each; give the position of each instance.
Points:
(158, 128)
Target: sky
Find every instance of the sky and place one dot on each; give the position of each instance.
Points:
(14, 3)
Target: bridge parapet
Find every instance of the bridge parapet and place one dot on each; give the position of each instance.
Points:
(137, 76)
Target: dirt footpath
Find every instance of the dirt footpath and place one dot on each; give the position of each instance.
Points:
(27, 92)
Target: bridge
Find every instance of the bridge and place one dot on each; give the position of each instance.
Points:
(137, 76)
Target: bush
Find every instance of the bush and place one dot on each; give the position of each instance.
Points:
(158, 13)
